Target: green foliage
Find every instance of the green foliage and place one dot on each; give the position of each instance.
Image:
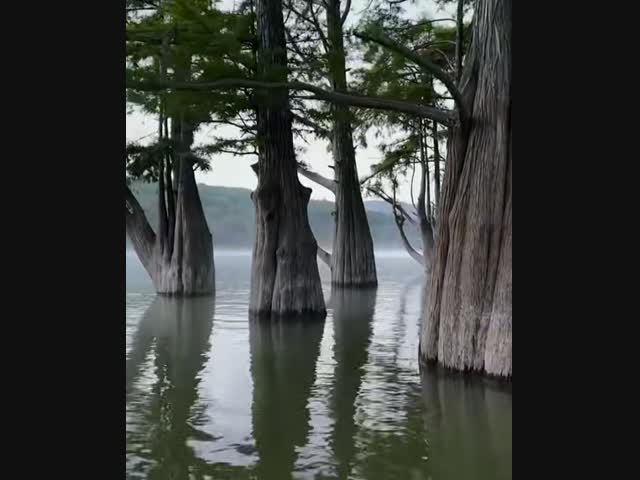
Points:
(188, 40)
(390, 74)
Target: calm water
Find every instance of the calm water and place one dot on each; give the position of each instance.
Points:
(211, 395)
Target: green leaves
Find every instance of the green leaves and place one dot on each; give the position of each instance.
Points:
(143, 161)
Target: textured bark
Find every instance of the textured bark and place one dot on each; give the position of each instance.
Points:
(469, 315)
(352, 257)
(284, 275)
(179, 259)
(140, 232)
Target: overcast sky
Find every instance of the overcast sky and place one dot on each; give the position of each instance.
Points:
(235, 171)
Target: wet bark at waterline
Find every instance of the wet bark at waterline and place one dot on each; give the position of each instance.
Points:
(352, 258)
(468, 323)
(284, 275)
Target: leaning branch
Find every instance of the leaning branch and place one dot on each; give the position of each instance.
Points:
(445, 117)
(324, 256)
(317, 178)
(345, 14)
(400, 215)
(459, 39)
(419, 60)
(139, 231)
(395, 205)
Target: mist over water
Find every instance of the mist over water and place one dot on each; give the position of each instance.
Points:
(211, 394)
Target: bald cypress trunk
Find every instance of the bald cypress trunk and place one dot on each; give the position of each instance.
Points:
(352, 260)
(179, 257)
(284, 275)
(469, 314)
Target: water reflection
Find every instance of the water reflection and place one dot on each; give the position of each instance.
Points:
(352, 325)
(283, 367)
(232, 398)
(161, 417)
(468, 425)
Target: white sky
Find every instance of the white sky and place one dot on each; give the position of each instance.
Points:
(234, 171)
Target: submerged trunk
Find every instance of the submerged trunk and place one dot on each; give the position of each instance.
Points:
(468, 323)
(352, 258)
(179, 259)
(284, 274)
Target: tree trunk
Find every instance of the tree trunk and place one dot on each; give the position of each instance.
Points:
(426, 230)
(179, 259)
(284, 275)
(352, 259)
(469, 313)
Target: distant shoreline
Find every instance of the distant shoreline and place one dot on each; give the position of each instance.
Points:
(231, 252)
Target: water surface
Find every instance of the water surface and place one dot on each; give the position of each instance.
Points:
(213, 395)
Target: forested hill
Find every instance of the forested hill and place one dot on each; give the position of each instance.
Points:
(230, 214)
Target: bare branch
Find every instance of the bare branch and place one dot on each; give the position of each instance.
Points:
(399, 215)
(325, 42)
(459, 39)
(345, 14)
(317, 178)
(324, 256)
(396, 205)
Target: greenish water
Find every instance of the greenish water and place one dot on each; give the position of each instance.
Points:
(212, 395)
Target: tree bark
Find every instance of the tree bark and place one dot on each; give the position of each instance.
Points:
(469, 314)
(284, 275)
(426, 229)
(179, 259)
(352, 257)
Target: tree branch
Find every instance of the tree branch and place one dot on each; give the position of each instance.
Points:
(324, 256)
(317, 178)
(395, 205)
(319, 129)
(345, 14)
(442, 116)
(459, 39)
(422, 61)
(139, 231)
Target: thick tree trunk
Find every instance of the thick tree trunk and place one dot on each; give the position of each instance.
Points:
(352, 258)
(469, 314)
(179, 259)
(284, 276)
(189, 268)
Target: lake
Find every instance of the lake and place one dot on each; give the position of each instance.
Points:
(211, 395)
